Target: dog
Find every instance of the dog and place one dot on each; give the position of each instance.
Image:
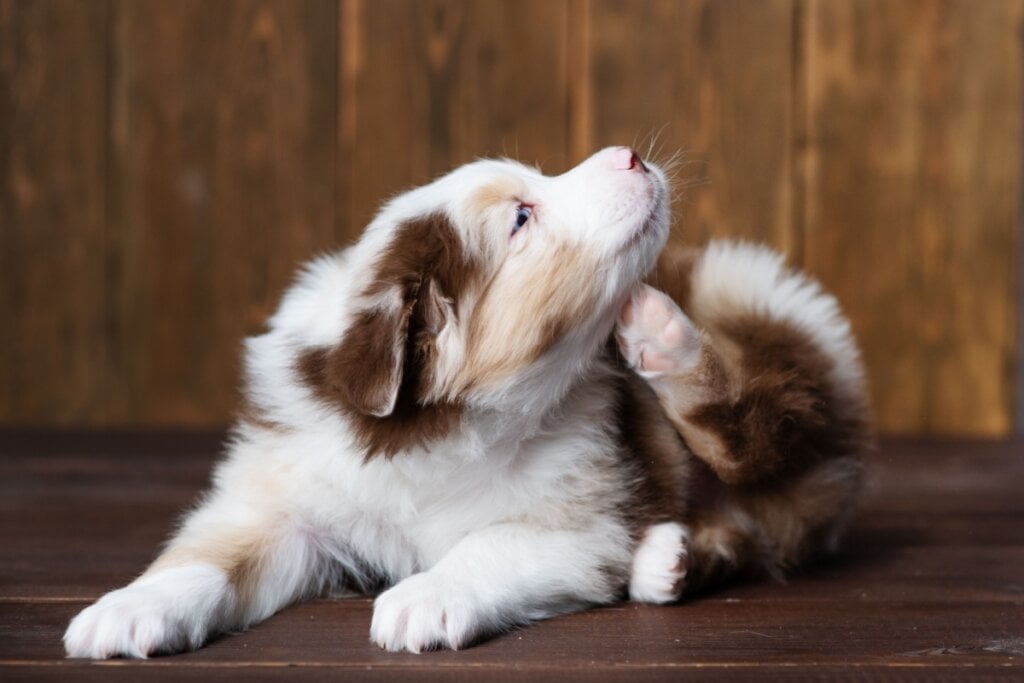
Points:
(480, 410)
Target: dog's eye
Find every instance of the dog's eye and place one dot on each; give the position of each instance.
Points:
(523, 214)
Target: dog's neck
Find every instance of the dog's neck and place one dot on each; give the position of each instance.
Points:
(535, 400)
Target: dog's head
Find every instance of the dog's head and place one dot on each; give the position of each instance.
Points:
(488, 286)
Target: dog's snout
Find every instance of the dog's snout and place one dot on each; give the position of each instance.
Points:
(626, 159)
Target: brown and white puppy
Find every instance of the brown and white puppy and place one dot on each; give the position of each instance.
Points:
(436, 409)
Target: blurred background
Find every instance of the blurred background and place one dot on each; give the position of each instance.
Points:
(166, 165)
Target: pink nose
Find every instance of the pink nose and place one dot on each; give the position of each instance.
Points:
(625, 159)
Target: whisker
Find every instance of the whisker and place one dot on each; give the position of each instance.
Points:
(655, 137)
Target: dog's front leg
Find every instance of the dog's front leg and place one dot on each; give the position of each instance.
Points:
(498, 577)
(233, 563)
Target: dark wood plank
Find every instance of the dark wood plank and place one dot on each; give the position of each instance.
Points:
(82, 513)
(945, 672)
(53, 252)
(940, 520)
(223, 147)
(928, 587)
(913, 157)
(710, 77)
(84, 548)
(630, 637)
(30, 447)
(428, 85)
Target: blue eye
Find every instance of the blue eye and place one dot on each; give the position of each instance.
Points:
(523, 214)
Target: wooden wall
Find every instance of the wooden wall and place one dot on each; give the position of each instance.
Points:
(164, 166)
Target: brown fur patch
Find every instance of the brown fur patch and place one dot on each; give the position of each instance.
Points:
(240, 556)
(663, 467)
(366, 369)
(410, 424)
(774, 526)
(788, 414)
(426, 262)
(719, 549)
(425, 248)
(680, 393)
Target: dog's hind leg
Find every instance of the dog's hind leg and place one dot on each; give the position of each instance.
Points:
(765, 386)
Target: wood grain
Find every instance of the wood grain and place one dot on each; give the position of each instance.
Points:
(713, 79)
(951, 669)
(164, 167)
(914, 115)
(926, 588)
(429, 85)
(222, 181)
(53, 242)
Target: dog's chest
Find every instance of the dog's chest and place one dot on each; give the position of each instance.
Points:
(404, 514)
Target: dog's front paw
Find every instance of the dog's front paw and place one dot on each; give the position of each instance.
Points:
(423, 612)
(659, 565)
(654, 334)
(167, 612)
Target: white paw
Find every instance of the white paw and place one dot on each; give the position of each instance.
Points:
(170, 611)
(659, 565)
(654, 334)
(423, 612)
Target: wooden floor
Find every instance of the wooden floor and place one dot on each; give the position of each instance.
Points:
(930, 586)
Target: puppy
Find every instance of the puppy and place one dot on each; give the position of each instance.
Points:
(437, 410)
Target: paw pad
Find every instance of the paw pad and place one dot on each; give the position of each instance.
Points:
(654, 334)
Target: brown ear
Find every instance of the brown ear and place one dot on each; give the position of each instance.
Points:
(366, 368)
(384, 349)
(434, 310)
(383, 362)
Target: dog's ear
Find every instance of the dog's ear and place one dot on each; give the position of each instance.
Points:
(384, 363)
(367, 367)
(433, 311)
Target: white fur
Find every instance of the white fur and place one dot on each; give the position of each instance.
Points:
(659, 565)
(516, 516)
(171, 610)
